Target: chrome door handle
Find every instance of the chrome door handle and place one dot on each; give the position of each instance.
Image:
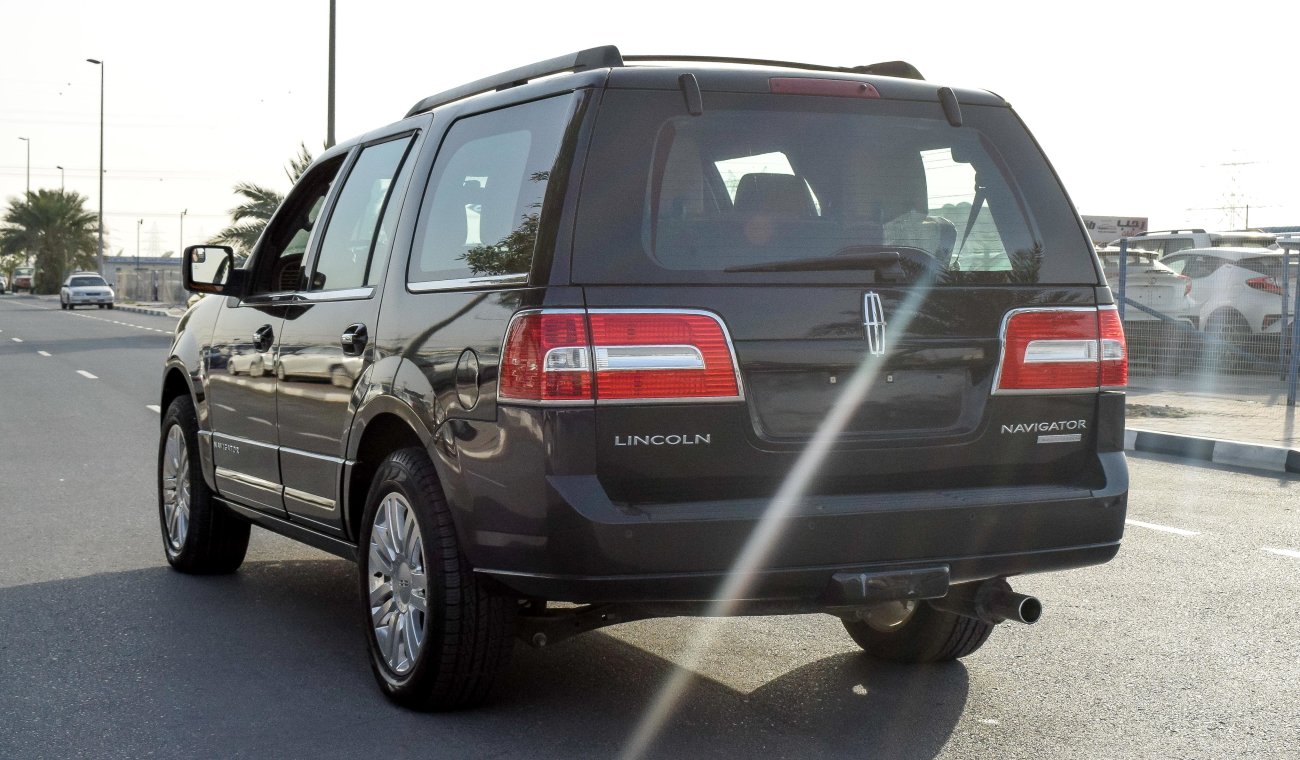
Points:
(354, 340)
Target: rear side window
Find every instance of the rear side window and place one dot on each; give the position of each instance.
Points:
(798, 188)
(480, 214)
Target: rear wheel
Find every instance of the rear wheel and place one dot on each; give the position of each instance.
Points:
(438, 635)
(915, 632)
(1226, 333)
(199, 535)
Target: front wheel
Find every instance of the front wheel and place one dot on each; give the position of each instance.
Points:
(199, 535)
(438, 635)
(915, 632)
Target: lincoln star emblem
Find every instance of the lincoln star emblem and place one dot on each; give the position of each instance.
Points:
(874, 321)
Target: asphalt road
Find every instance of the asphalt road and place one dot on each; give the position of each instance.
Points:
(1185, 646)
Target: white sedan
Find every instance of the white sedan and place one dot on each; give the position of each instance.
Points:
(85, 288)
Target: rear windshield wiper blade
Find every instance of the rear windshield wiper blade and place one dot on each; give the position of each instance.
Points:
(879, 258)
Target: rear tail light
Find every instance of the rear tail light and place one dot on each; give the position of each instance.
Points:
(1187, 284)
(1062, 350)
(617, 356)
(1266, 284)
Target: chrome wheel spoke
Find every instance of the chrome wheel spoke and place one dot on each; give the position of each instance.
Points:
(379, 560)
(398, 586)
(176, 487)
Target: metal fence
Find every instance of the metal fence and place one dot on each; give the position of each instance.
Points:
(1233, 327)
(159, 286)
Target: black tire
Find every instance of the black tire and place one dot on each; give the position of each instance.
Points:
(467, 628)
(928, 635)
(1226, 333)
(110, 306)
(214, 540)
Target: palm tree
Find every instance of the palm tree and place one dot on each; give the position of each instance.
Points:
(248, 219)
(55, 227)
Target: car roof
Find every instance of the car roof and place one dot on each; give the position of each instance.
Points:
(1230, 252)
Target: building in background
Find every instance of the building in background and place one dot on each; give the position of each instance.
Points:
(1104, 229)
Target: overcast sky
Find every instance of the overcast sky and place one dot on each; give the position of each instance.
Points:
(1179, 113)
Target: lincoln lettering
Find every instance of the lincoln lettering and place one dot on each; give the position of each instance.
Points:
(1045, 427)
(694, 439)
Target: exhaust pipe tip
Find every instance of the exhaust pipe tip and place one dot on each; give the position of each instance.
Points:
(992, 602)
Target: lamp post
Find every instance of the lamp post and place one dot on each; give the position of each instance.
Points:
(180, 250)
(62, 185)
(29, 163)
(329, 117)
(138, 224)
(100, 64)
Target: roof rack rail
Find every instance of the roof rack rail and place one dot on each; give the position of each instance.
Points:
(606, 56)
(1168, 232)
(886, 68)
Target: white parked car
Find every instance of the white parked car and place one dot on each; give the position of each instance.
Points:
(1237, 291)
(1150, 284)
(85, 288)
(1159, 316)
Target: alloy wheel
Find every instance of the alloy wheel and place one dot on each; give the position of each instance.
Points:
(399, 590)
(176, 488)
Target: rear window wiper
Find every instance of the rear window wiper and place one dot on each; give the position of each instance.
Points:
(887, 261)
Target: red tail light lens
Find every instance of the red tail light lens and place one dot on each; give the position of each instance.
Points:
(571, 356)
(1266, 284)
(1114, 348)
(1062, 350)
(662, 355)
(546, 358)
(1187, 284)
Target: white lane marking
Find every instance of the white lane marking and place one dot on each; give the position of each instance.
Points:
(43, 353)
(1165, 528)
(1284, 553)
(86, 374)
(156, 409)
(123, 324)
(17, 340)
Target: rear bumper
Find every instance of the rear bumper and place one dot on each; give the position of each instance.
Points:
(599, 551)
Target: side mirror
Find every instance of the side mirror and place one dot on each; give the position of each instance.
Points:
(211, 269)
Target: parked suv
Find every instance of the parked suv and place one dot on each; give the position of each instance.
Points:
(676, 339)
(1164, 242)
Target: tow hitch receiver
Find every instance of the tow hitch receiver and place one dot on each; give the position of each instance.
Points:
(860, 589)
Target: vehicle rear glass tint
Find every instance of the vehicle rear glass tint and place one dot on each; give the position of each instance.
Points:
(1270, 266)
(805, 189)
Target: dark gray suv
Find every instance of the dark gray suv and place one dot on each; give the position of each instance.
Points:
(673, 339)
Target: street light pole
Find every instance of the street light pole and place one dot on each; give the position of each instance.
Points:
(138, 224)
(180, 250)
(62, 185)
(329, 125)
(100, 64)
(29, 163)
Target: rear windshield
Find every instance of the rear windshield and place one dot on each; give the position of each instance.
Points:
(86, 282)
(805, 189)
(1270, 266)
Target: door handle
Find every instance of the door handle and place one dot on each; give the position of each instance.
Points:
(354, 340)
(263, 337)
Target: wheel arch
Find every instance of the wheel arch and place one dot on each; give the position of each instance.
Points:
(382, 427)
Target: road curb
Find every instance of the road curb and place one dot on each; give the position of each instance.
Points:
(1250, 456)
(142, 310)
